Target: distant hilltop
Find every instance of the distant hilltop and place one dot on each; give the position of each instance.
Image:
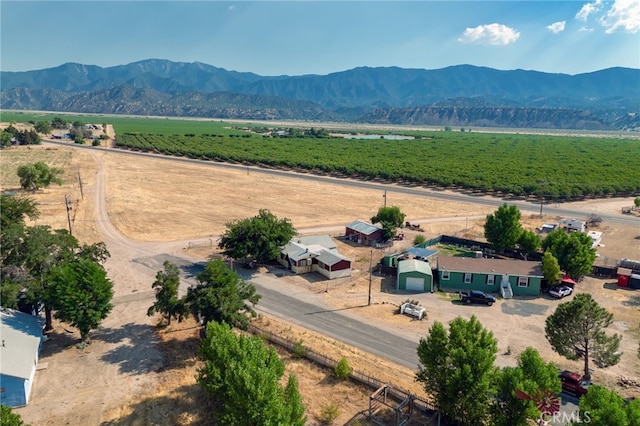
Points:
(462, 95)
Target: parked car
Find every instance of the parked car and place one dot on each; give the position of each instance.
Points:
(573, 383)
(475, 296)
(560, 291)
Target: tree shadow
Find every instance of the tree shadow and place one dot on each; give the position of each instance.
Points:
(137, 352)
(58, 340)
(180, 351)
(191, 270)
(633, 301)
(187, 404)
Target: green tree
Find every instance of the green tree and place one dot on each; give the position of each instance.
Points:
(43, 127)
(551, 269)
(573, 251)
(28, 137)
(5, 139)
(59, 123)
(14, 210)
(12, 130)
(502, 229)
(636, 202)
(221, 295)
(41, 250)
(533, 377)
(576, 330)
(391, 215)
(243, 375)
(633, 412)
(457, 369)
(390, 218)
(9, 418)
(167, 301)
(80, 294)
(36, 175)
(529, 243)
(602, 406)
(258, 238)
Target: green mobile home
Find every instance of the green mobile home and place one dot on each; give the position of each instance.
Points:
(506, 276)
(414, 275)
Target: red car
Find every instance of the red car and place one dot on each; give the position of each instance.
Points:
(573, 383)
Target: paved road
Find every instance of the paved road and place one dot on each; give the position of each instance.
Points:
(300, 308)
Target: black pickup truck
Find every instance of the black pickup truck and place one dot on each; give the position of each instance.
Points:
(475, 296)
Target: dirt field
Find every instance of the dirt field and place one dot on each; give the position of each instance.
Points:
(133, 373)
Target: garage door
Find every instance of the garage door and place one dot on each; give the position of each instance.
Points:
(416, 284)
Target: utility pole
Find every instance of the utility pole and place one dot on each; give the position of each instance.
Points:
(68, 206)
(385, 198)
(370, 275)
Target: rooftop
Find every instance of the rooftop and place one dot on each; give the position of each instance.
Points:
(21, 335)
(490, 266)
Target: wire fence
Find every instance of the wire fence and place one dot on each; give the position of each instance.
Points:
(326, 361)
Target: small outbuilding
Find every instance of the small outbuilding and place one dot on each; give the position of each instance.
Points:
(364, 233)
(21, 336)
(414, 275)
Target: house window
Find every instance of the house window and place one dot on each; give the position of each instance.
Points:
(467, 277)
(490, 279)
(445, 275)
(523, 282)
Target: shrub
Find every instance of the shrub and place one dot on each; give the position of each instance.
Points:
(419, 239)
(342, 369)
(299, 351)
(329, 414)
(96, 142)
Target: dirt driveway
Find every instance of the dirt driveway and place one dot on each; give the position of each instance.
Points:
(156, 209)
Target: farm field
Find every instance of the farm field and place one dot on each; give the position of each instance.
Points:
(523, 165)
(194, 203)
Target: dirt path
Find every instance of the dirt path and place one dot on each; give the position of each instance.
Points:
(123, 360)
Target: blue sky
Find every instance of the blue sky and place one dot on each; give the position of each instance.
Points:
(321, 37)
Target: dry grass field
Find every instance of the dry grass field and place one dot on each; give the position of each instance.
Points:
(165, 205)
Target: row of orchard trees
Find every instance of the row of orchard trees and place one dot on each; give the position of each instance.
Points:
(241, 374)
(569, 252)
(487, 163)
(457, 368)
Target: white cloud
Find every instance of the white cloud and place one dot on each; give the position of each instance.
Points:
(494, 34)
(624, 15)
(588, 9)
(585, 30)
(557, 27)
(231, 7)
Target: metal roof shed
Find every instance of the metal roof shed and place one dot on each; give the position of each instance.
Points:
(21, 336)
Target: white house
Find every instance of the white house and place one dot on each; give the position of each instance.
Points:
(21, 336)
(315, 254)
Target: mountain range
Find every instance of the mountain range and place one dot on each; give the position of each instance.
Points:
(462, 95)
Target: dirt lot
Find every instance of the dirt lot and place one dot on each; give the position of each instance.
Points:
(133, 373)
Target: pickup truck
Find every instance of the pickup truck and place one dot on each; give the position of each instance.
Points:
(475, 296)
(573, 383)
